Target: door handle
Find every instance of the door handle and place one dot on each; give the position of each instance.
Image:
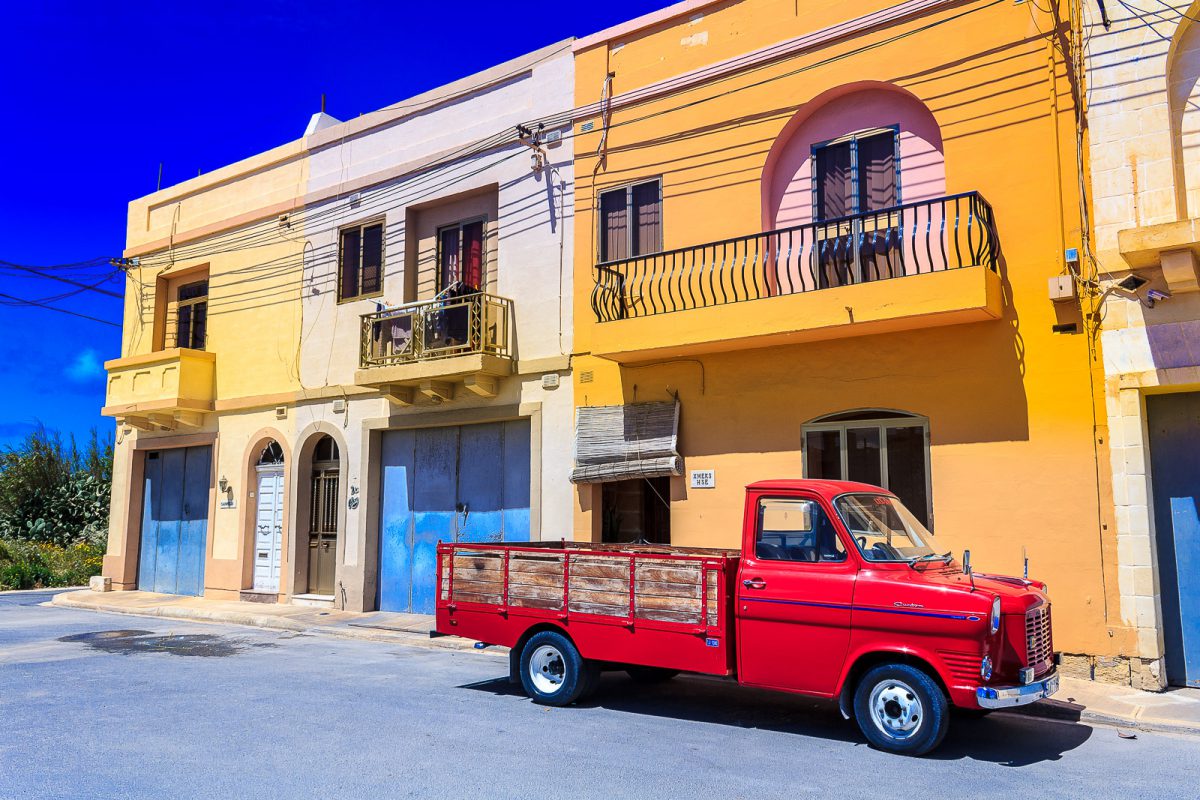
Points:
(754, 583)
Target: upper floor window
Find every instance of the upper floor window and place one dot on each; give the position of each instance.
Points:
(360, 261)
(461, 254)
(856, 174)
(882, 448)
(631, 220)
(191, 315)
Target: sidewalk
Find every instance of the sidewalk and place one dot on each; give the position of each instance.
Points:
(385, 626)
(1077, 700)
(1175, 711)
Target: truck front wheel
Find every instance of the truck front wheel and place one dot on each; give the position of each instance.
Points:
(552, 671)
(899, 708)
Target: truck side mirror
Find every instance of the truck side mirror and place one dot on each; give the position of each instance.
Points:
(966, 562)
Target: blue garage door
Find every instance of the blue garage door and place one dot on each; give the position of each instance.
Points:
(1174, 423)
(468, 483)
(174, 520)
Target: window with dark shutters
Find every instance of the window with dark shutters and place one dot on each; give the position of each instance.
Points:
(631, 221)
(856, 174)
(360, 261)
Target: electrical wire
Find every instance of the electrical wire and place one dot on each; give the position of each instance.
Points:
(304, 218)
(20, 301)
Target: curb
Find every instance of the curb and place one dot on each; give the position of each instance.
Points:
(277, 623)
(43, 590)
(1066, 712)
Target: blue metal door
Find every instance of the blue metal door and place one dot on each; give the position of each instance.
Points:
(174, 520)
(1174, 423)
(463, 483)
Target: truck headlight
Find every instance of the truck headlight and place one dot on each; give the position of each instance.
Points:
(985, 669)
(995, 615)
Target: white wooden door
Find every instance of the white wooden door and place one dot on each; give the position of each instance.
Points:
(268, 537)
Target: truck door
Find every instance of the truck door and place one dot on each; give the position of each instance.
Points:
(794, 593)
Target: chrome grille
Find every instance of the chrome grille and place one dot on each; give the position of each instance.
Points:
(1039, 649)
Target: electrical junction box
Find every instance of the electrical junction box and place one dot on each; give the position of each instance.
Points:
(550, 380)
(1062, 288)
(339, 406)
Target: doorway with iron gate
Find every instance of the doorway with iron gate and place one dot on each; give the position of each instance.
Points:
(466, 483)
(323, 517)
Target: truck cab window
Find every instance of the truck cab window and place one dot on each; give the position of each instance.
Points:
(792, 529)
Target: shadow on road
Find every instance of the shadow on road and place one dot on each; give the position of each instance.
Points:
(1007, 740)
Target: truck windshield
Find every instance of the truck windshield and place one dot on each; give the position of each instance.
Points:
(883, 529)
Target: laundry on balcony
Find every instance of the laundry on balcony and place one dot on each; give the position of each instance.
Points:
(460, 321)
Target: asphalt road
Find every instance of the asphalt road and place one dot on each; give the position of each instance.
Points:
(96, 705)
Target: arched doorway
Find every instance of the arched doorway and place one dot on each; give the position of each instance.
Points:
(268, 518)
(323, 517)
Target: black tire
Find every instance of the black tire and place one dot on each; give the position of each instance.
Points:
(651, 674)
(563, 674)
(900, 709)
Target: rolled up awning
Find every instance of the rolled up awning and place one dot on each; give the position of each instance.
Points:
(616, 443)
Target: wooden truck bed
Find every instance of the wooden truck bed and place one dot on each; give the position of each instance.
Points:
(635, 604)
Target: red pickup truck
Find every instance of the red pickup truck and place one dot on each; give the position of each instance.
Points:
(838, 591)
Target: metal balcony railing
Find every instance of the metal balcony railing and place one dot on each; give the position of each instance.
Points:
(434, 329)
(928, 236)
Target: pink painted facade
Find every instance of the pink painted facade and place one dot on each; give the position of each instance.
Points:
(788, 175)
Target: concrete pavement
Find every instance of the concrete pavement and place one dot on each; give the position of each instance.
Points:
(102, 705)
(1077, 700)
(410, 629)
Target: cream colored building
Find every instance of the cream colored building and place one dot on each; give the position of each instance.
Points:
(1144, 127)
(344, 349)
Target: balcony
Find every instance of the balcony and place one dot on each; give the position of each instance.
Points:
(430, 347)
(912, 266)
(163, 390)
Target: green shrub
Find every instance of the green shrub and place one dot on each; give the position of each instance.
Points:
(53, 492)
(37, 565)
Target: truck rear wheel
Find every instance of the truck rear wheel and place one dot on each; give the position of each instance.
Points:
(552, 671)
(900, 709)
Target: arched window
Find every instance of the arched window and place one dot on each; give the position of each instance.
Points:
(881, 447)
(271, 455)
(326, 450)
(858, 148)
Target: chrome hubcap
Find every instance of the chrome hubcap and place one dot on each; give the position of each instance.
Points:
(547, 670)
(895, 709)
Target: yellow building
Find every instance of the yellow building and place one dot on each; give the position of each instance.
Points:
(341, 351)
(815, 239)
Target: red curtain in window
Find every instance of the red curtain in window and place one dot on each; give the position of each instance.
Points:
(472, 254)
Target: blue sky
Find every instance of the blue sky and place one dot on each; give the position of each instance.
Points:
(95, 96)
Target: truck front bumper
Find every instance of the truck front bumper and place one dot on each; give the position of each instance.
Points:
(1009, 696)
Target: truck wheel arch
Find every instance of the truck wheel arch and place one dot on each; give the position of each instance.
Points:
(867, 660)
(514, 653)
